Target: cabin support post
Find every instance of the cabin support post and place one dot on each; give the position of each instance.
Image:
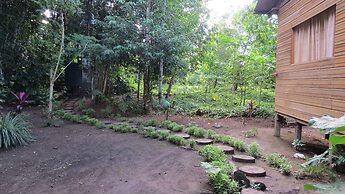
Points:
(298, 131)
(277, 124)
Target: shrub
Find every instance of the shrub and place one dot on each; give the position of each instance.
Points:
(212, 153)
(100, 125)
(150, 132)
(320, 171)
(89, 112)
(229, 140)
(210, 134)
(177, 128)
(177, 140)
(219, 178)
(278, 161)
(150, 122)
(239, 145)
(165, 123)
(251, 133)
(196, 131)
(82, 105)
(122, 128)
(107, 111)
(14, 131)
(254, 150)
(191, 143)
(163, 135)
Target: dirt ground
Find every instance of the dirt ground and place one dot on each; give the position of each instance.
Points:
(81, 159)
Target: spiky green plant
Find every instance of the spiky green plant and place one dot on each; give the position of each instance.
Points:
(14, 131)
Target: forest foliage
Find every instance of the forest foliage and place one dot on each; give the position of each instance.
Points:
(132, 45)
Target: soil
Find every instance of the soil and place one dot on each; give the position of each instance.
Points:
(81, 159)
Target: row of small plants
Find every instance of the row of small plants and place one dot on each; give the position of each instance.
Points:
(219, 170)
(146, 129)
(275, 160)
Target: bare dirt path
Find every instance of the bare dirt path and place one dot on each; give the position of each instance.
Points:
(81, 159)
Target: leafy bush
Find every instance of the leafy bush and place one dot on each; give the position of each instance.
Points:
(14, 131)
(212, 153)
(165, 123)
(81, 105)
(251, 133)
(196, 131)
(192, 143)
(239, 145)
(219, 178)
(278, 161)
(150, 122)
(122, 128)
(100, 125)
(320, 171)
(107, 111)
(177, 140)
(163, 135)
(210, 134)
(254, 150)
(89, 112)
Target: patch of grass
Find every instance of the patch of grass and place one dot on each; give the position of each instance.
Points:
(107, 111)
(254, 150)
(191, 143)
(196, 131)
(100, 125)
(163, 135)
(320, 172)
(150, 132)
(14, 131)
(177, 140)
(212, 153)
(120, 128)
(150, 122)
(89, 112)
(210, 134)
(222, 183)
(165, 124)
(278, 161)
(251, 132)
(239, 145)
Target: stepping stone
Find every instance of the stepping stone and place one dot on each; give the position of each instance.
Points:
(108, 122)
(243, 158)
(251, 191)
(184, 135)
(226, 149)
(253, 171)
(163, 130)
(68, 108)
(204, 141)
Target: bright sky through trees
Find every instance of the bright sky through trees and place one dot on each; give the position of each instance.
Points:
(224, 8)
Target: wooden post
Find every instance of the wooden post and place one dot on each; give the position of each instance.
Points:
(277, 124)
(298, 131)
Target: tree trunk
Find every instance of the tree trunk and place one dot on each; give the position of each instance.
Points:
(139, 81)
(105, 80)
(160, 93)
(170, 86)
(146, 90)
(51, 94)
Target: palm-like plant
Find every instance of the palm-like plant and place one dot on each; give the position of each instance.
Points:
(22, 100)
(14, 131)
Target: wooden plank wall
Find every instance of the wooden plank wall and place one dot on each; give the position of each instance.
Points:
(309, 89)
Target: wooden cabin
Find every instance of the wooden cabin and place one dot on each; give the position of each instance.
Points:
(310, 71)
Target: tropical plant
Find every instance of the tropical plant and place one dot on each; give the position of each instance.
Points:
(14, 131)
(278, 161)
(22, 100)
(254, 150)
(331, 126)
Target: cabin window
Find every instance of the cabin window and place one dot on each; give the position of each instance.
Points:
(314, 38)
